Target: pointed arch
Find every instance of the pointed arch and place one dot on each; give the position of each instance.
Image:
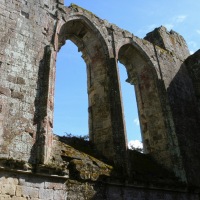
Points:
(104, 123)
(142, 74)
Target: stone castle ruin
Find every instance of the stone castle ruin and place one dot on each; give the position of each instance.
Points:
(36, 164)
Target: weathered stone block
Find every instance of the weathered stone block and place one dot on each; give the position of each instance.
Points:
(55, 186)
(11, 79)
(20, 198)
(8, 189)
(46, 194)
(5, 91)
(59, 195)
(20, 81)
(17, 95)
(24, 191)
(5, 197)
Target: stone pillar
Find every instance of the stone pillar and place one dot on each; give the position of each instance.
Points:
(117, 116)
(45, 105)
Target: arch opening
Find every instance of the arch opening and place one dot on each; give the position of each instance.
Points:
(71, 99)
(156, 125)
(144, 78)
(95, 54)
(130, 109)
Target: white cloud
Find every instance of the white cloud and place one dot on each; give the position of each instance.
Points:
(174, 21)
(169, 26)
(135, 144)
(198, 31)
(136, 121)
(151, 27)
(192, 44)
(146, 30)
(191, 52)
(180, 18)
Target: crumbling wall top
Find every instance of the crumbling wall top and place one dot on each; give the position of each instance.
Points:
(170, 41)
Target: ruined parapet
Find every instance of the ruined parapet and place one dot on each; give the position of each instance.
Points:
(170, 41)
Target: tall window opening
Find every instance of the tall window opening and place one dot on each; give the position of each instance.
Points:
(129, 102)
(71, 99)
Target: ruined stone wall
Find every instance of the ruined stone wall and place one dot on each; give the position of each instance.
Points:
(166, 88)
(26, 29)
(170, 41)
(26, 186)
(191, 140)
(181, 86)
(144, 61)
(16, 186)
(31, 117)
(152, 74)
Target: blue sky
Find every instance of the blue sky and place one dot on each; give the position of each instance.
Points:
(136, 16)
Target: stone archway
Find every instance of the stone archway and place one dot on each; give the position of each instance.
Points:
(79, 32)
(144, 77)
(103, 91)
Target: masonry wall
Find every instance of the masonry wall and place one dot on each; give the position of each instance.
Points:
(27, 28)
(16, 186)
(28, 86)
(26, 186)
(155, 111)
(191, 141)
(181, 86)
(31, 34)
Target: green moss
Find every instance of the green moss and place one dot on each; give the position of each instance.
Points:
(145, 42)
(74, 153)
(72, 5)
(162, 51)
(82, 146)
(11, 163)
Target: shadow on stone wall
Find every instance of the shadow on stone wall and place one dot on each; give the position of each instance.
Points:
(186, 117)
(93, 175)
(37, 152)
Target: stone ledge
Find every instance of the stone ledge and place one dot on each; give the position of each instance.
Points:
(12, 165)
